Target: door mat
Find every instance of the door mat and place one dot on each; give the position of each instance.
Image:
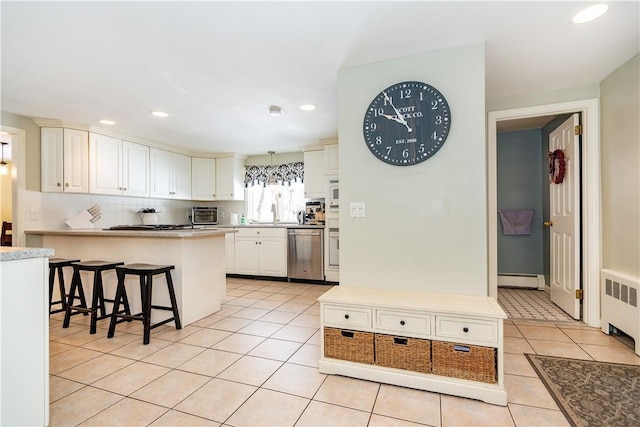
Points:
(591, 393)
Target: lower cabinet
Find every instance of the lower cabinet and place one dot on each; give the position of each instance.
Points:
(261, 251)
(450, 344)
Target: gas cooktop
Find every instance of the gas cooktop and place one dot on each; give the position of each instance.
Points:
(154, 227)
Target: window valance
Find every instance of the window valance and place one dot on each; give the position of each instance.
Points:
(285, 173)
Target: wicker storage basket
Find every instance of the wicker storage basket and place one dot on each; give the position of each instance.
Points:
(343, 344)
(413, 354)
(468, 362)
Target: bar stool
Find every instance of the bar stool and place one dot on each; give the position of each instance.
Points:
(56, 265)
(145, 272)
(97, 299)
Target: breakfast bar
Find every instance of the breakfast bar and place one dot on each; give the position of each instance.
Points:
(198, 255)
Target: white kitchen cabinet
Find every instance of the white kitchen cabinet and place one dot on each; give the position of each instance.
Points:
(64, 160)
(460, 333)
(331, 159)
(135, 169)
(229, 178)
(314, 175)
(169, 175)
(203, 178)
(261, 251)
(118, 167)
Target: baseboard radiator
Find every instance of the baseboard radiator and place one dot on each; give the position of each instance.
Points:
(529, 281)
(619, 304)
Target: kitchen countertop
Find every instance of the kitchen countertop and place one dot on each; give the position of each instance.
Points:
(97, 232)
(10, 253)
(270, 225)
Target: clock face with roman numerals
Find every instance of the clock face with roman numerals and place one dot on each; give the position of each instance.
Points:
(407, 123)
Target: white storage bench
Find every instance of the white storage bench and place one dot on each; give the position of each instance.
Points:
(444, 343)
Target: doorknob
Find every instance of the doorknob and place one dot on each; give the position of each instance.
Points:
(548, 223)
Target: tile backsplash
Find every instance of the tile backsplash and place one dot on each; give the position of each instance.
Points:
(51, 210)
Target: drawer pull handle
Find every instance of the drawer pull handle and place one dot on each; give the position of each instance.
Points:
(347, 334)
(465, 329)
(346, 316)
(402, 322)
(400, 341)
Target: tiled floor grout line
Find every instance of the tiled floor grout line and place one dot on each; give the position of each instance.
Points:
(300, 308)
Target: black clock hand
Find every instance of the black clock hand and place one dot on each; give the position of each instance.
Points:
(394, 118)
(400, 119)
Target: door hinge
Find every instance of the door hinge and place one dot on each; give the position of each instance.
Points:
(578, 130)
(579, 294)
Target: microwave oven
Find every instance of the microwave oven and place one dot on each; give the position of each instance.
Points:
(204, 215)
(333, 193)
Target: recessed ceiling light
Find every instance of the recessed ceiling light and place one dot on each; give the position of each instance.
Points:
(590, 13)
(275, 111)
(307, 107)
(159, 113)
(107, 122)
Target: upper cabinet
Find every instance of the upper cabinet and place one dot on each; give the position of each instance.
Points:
(229, 181)
(331, 159)
(170, 175)
(64, 160)
(203, 179)
(314, 174)
(118, 167)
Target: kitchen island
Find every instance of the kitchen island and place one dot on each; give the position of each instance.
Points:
(24, 336)
(198, 255)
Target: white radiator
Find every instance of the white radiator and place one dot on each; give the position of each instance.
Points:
(619, 303)
(529, 281)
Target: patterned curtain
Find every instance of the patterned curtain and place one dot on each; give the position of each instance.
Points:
(285, 174)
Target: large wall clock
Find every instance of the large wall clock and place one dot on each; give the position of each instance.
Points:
(407, 123)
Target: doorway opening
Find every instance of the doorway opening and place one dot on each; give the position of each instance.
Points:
(532, 251)
(6, 187)
(590, 201)
(17, 181)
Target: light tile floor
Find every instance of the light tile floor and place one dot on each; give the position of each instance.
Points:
(254, 363)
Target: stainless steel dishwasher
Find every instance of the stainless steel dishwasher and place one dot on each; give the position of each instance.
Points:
(306, 254)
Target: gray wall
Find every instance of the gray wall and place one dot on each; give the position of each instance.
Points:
(520, 167)
(620, 113)
(426, 225)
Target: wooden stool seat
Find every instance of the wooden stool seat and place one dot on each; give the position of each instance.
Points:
(145, 272)
(97, 299)
(55, 266)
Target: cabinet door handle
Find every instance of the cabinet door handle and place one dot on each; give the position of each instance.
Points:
(66, 184)
(465, 329)
(402, 322)
(346, 316)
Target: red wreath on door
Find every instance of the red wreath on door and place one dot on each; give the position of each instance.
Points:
(557, 166)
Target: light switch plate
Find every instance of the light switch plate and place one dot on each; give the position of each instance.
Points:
(357, 210)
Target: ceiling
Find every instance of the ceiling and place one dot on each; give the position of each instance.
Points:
(216, 66)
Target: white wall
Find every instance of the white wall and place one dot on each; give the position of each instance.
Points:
(620, 113)
(425, 226)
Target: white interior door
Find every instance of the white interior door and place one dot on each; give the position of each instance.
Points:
(564, 209)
